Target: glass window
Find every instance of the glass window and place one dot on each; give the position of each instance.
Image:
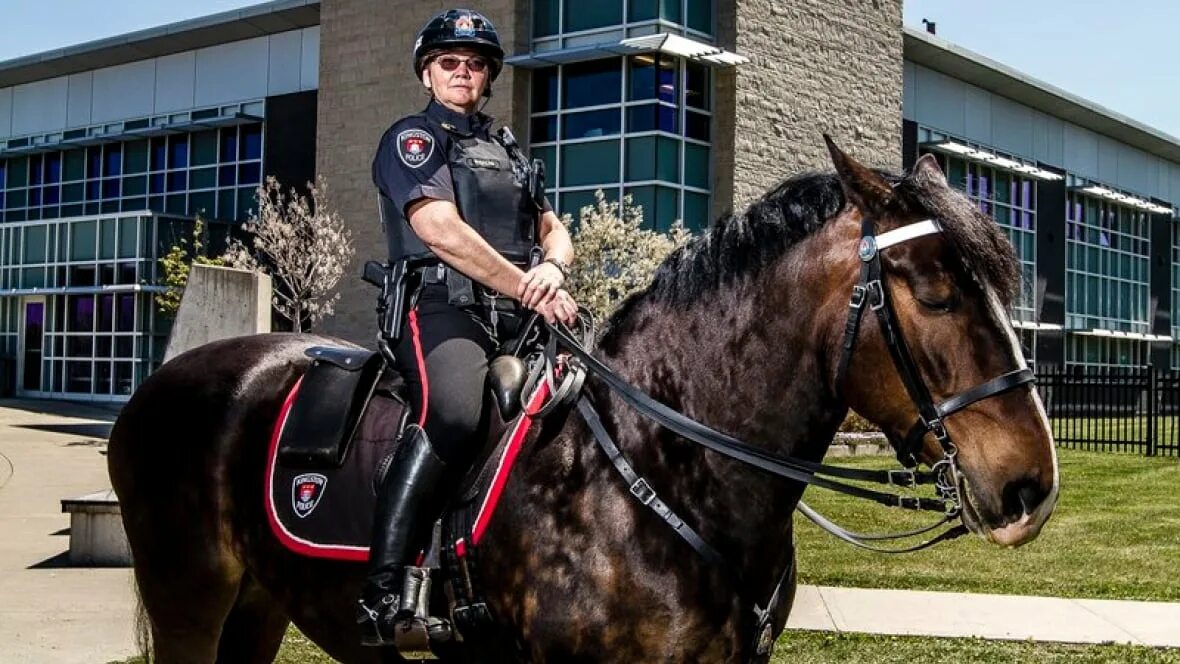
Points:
(125, 313)
(589, 163)
(696, 211)
(696, 165)
(80, 312)
(35, 170)
(127, 237)
(229, 144)
(697, 86)
(159, 153)
(135, 185)
(592, 83)
(204, 148)
(113, 160)
(251, 147)
(545, 17)
(75, 165)
(653, 158)
(544, 129)
(652, 117)
(202, 203)
(670, 10)
(641, 10)
(581, 15)
(53, 167)
(135, 155)
(700, 15)
(82, 239)
(35, 243)
(696, 126)
(545, 89)
(652, 78)
(106, 245)
(78, 377)
(18, 173)
(572, 202)
(590, 124)
(250, 173)
(202, 178)
(659, 205)
(178, 151)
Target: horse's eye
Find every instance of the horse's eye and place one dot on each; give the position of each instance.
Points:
(939, 305)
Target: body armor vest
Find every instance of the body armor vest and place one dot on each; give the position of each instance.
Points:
(491, 194)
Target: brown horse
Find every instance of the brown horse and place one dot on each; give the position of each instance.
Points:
(741, 330)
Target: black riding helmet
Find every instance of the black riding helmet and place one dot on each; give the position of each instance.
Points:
(459, 28)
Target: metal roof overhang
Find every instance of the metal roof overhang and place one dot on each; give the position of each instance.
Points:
(942, 56)
(222, 28)
(132, 134)
(661, 42)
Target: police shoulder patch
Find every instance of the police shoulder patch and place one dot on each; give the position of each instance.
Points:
(414, 147)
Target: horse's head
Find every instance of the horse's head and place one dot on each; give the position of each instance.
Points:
(949, 289)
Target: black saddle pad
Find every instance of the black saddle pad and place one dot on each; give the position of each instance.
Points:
(328, 512)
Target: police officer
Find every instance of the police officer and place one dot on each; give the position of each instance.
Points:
(462, 192)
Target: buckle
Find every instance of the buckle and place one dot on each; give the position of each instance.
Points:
(878, 301)
(937, 428)
(909, 502)
(903, 478)
(858, 297)
(643, 491)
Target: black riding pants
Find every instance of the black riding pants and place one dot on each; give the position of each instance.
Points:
(443, 355)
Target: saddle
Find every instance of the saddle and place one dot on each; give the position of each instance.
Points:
(335, 437)
(334, 440)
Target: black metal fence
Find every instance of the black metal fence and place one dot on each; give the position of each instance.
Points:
(1125, 409)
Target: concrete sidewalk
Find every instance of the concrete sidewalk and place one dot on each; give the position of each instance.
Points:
(51, 613)
(913, 612)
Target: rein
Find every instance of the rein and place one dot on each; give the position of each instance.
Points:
(944, 474)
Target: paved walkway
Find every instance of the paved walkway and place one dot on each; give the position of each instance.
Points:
(988, 616)
(51, 613)
(54, 614)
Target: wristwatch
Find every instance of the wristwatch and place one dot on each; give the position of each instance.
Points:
(560, 265)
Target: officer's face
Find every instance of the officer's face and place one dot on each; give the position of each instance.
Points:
(458, 78)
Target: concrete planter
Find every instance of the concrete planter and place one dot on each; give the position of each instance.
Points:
(96, 530)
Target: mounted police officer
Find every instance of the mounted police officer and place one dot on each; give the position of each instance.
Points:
(452, 189)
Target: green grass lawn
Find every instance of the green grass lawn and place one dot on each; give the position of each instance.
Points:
(1115, 534)
(822, 647)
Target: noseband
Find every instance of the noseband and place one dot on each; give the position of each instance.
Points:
(872, 290)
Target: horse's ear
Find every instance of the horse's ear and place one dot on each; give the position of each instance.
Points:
(863, 186)
(927, 172)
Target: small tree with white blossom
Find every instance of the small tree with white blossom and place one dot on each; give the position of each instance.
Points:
(302, 243)
(616, 256)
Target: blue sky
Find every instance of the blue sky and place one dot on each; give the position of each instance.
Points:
(1118, 54)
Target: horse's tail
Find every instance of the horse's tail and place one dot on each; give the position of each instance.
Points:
(143, 627)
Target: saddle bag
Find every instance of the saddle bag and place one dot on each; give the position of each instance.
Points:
(324, 417)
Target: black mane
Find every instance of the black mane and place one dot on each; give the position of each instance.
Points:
(740, 245)
(744, 244)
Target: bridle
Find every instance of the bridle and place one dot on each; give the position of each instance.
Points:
(872, 290)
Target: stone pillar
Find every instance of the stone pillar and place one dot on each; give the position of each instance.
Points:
(815, 66)
(366, 83)
(219, 303)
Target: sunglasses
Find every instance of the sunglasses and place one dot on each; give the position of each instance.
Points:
(474, 64)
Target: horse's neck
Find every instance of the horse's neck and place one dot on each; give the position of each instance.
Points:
(746, 364)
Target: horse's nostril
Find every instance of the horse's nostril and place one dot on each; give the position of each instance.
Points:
(1023, 496)
(1030, 497)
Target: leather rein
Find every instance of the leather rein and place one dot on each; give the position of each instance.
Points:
(871, 290)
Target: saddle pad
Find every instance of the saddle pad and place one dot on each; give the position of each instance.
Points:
(328, 512)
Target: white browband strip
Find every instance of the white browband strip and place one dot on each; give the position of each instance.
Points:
(899, 235)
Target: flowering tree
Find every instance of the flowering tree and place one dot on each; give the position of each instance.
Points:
(302, 244)
(616, 256)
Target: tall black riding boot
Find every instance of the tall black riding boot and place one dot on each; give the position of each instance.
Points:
(408, 502)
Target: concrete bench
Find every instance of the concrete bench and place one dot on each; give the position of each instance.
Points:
(96, 530)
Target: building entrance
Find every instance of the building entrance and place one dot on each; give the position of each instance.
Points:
(32, 344)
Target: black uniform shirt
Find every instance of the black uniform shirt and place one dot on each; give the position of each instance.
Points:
(411, 162)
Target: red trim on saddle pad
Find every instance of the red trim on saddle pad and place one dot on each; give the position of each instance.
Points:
(289, 540)
(519, 432)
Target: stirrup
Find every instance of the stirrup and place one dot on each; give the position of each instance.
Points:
(415, 599)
